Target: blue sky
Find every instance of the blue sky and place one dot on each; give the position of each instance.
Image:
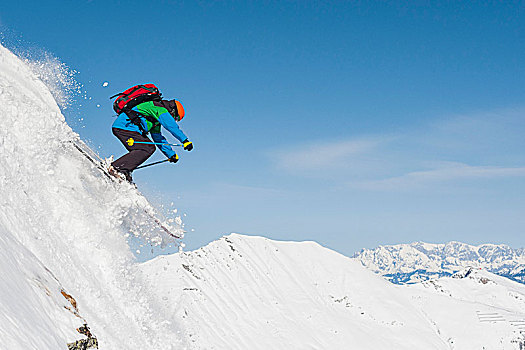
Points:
(353, 124)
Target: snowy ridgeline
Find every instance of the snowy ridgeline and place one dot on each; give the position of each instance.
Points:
(254, 293)
(65, 261)
(415, 262)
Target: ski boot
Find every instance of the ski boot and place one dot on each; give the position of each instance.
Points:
(120, 174)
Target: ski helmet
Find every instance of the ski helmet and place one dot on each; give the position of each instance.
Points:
(174, 107)
(180, 110)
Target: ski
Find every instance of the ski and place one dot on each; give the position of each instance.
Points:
(162, 226)
(100, 165)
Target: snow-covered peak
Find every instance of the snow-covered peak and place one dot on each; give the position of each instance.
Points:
(245, 292)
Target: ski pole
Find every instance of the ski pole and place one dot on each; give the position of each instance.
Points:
(150, 164)
(131, 141)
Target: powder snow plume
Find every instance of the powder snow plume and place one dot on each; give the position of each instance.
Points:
(57, 76)
(64, 231)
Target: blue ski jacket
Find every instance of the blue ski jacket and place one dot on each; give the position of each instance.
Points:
(164, 118)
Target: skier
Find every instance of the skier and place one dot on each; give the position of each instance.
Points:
(144, 118)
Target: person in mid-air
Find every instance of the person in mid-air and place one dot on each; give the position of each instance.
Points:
(136, 123)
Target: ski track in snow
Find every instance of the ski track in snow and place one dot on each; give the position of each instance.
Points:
(64, 227)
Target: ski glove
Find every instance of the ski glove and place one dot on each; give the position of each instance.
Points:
(188, 145)
(174, 158)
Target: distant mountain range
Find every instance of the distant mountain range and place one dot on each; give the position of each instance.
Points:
(419, 261)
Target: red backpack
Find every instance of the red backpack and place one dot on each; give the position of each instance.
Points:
(134, 96)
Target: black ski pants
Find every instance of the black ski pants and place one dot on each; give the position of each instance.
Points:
(138, 153)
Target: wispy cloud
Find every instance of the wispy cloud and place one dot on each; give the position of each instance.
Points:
(477, 146)
(446, 173)
(496, 133)
(327, 155)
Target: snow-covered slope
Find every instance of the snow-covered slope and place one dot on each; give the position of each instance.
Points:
(474, 309)
(64, 227)
(253, 293)
(26, 286)
(408, 263)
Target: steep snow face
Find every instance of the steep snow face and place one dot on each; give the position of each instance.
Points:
(26, 286)
(59, 214)
(409, 263)
(253, 293)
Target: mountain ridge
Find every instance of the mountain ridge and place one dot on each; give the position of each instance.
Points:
(243, 292)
